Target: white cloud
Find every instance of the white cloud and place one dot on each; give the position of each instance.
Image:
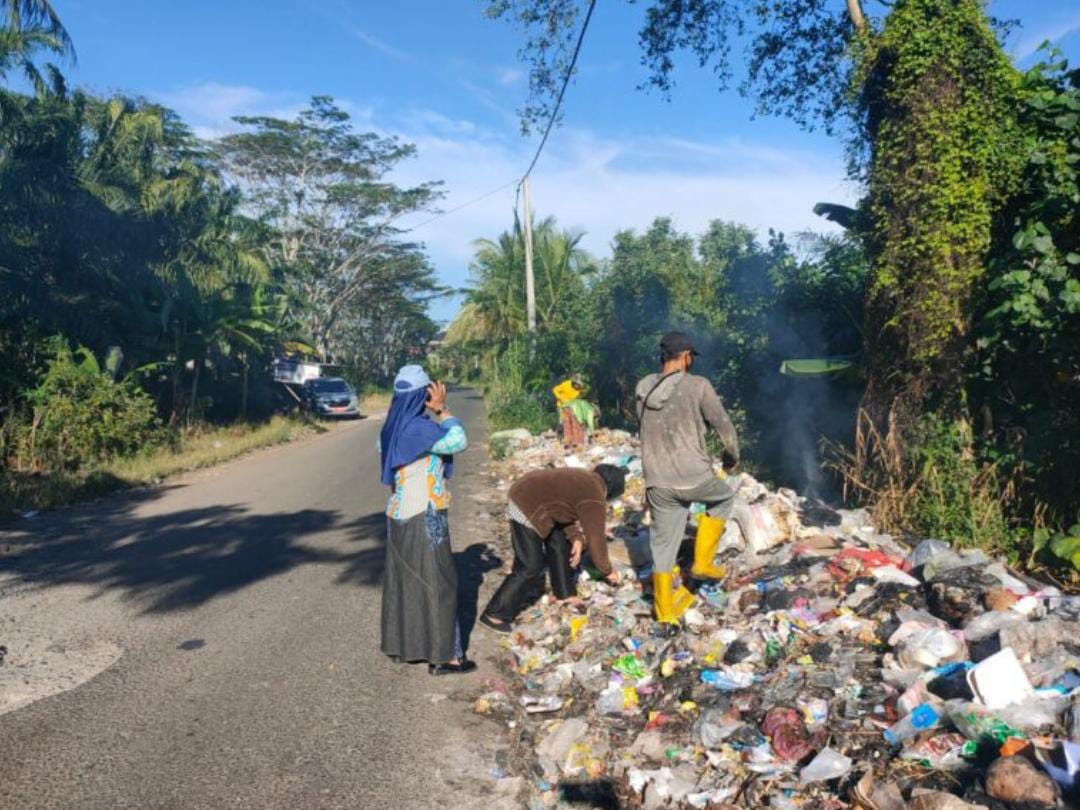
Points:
(509, 76)
(209, 107)
(379, 45)
(1052, 31)
(598, 184)
(212, 101)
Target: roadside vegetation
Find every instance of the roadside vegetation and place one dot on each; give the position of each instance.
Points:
(183, 451)
(148, 278)
(954, 290)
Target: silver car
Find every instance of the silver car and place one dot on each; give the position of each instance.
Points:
(331, 397)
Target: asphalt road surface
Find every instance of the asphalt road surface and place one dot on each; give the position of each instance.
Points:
(214, 642)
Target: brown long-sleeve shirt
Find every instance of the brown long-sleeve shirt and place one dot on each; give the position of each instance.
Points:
(573, 499)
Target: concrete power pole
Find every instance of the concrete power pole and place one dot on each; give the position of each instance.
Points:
(530, 281)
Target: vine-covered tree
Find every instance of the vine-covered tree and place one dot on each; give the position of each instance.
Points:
(940, 101)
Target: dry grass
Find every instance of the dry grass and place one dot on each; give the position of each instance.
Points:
(928, 485)
(194, 451)
(204, 449)
(374, 402)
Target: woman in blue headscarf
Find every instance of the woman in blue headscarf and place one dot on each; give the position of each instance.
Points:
(419, 599)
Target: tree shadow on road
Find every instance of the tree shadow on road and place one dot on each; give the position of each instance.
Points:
(167, 562)
(182, 559)
(365, 567)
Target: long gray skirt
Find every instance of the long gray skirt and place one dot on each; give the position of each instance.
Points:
(419, 597)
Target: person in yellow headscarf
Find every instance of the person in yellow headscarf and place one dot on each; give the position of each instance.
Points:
(578, 416)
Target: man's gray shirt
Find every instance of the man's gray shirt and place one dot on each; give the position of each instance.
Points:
(674, 416)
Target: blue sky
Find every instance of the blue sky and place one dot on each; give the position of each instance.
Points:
(440, 75)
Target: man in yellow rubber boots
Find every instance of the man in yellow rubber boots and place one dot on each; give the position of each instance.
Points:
(675, 409)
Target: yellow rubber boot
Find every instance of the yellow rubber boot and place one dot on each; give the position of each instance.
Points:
(670, 604)
(709, 532)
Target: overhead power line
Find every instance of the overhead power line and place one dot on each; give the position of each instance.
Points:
(543, 140)
(562, 90)
(455, 209)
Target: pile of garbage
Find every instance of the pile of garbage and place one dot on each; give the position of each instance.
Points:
(833, 667)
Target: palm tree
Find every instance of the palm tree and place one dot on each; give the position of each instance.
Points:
(28, 27)
(26, 15)
(494, 311)
(561, 267)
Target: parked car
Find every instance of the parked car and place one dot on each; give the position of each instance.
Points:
(331, 396)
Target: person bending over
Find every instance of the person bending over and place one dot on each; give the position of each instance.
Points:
(553, 515)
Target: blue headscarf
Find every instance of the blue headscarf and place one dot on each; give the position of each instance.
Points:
(409, 433)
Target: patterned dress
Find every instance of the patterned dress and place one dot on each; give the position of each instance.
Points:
(419, 605)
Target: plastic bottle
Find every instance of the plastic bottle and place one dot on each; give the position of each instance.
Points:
(768, 585)
(978, 723)
(921, 718)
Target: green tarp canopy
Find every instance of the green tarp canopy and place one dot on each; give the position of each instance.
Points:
(818, 367)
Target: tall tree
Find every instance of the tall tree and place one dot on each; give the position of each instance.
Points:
(941, 103)
(322, 189)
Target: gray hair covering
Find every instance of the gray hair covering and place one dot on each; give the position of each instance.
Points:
(410, 378)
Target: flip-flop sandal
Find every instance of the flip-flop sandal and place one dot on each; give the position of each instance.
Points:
(504, 628)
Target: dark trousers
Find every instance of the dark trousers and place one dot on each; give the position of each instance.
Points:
(532, 556)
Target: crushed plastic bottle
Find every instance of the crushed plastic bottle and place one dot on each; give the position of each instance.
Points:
(920, 719)
(942, 752)
(979, 724)
(727, 679)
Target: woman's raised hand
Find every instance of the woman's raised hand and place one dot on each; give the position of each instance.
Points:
(437, 396)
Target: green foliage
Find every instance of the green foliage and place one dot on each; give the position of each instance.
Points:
(1059, 550)
(1028, 379)
(749, 307)
(490, 332)
(495, 312)
(532, 411)
(122, 232)
(518, 390)
(119, 235)
(82, 417)
(189, 450)
(940, 100)
(957, 497)
(929, 481)
(1067, 547)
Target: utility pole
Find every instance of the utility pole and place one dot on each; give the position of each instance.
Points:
(530, 282)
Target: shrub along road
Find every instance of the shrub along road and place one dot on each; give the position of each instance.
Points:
(233, 620)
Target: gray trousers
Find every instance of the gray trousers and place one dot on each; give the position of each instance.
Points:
(670, 510)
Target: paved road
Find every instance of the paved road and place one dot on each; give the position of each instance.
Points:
(243, 604)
